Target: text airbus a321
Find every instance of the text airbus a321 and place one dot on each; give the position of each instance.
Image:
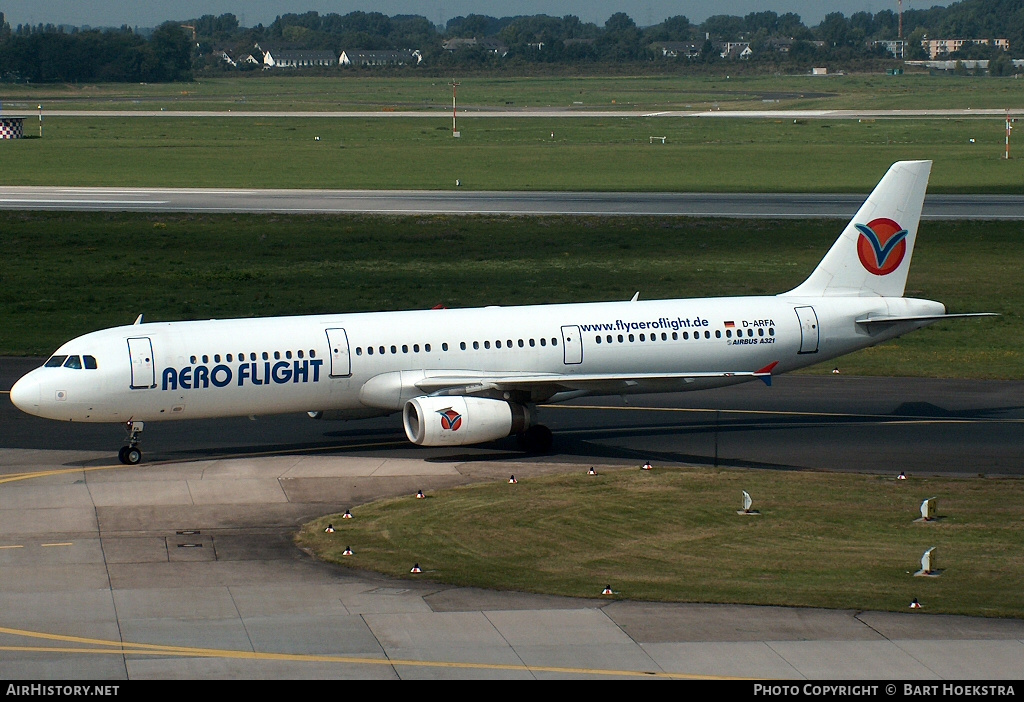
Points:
(468, 376)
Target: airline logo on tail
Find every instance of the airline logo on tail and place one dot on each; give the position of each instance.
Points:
(450, 419)
(882, 244)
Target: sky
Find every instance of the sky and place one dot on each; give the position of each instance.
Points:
(149, 13)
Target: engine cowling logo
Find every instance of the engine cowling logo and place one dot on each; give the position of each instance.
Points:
(450, 419)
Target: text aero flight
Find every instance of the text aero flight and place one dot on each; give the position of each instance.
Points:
(467, 376)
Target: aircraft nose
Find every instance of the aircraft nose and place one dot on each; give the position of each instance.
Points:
(25, 395)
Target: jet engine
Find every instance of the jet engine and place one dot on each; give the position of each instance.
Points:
(458, 420)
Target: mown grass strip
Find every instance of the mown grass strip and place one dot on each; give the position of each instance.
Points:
(838, 541)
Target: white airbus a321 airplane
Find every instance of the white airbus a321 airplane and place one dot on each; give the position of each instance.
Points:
(474, 375)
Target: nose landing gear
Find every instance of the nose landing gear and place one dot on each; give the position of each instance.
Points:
(131, 454)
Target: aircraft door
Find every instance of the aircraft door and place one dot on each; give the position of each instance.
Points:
(572, 344)
(341, 362)
(808, 329)
(140, 353)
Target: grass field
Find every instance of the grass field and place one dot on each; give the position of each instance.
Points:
(361, 90)
(604, 154)
(821, 540)
(67, 274)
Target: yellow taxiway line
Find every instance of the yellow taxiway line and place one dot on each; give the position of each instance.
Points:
(101, 646)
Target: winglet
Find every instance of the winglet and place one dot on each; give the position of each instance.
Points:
(138, 320)
(765, 373)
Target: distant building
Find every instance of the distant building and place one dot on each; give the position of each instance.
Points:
(896, 47)
(488, 44)
(677, 49)
(937, 48)
(298, 58)
(361, 57)
(968, 64)
(734, 49)
(780, 45)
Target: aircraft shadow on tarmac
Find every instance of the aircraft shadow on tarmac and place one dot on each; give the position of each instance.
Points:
(587, 441)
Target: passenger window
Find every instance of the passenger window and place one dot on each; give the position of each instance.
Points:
(90, 362)
(521, 343)
(771, 331)
(707, 335)
(718, 333)
(597, 338)
(631, 338)
(252, 356)
(405, 348)
(760, 331)
(300, 353)
(415, 348)
(206, 359)
(497, 344)
(277, 355)
(532, 343)
(462, 345)
(675, 336)
(369, 350)
(380, 350)
(543, 342)
(643, 337)
(620, 338)
(487, 344)
(394, 349)
(508, 342)
(216, 358)
(266, 356)
(728, 333)
(664, 336)
(73, 362)
(288, 354)
(55, 362)
(554, 341)
(476, 344)
(312, 353)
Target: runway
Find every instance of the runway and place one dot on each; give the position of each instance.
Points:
(410, 202)
(183, 567)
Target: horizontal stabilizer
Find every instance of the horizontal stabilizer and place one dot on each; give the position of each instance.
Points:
(923, 318)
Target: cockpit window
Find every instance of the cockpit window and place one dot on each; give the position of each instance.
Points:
(55, 362)
(90, 362)
(73, 362)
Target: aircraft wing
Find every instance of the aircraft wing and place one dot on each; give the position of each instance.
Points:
(473, 384)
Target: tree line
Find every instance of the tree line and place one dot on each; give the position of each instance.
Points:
(175, 51)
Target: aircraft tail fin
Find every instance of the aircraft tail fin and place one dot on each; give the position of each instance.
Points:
(872, 256)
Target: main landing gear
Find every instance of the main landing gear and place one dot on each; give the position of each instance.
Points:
(131, 454)
(536, 439)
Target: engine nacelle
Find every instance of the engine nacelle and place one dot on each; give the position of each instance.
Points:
(458, 421)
